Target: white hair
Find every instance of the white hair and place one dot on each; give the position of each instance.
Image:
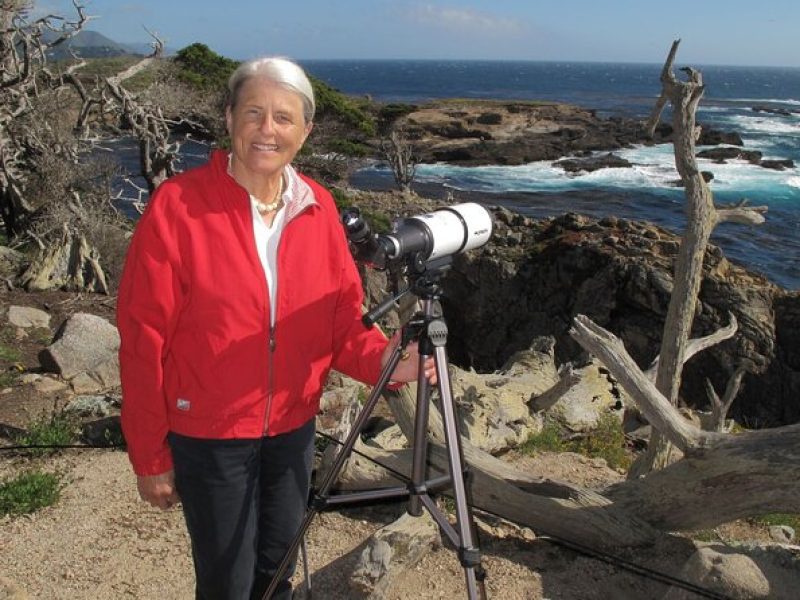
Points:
(282, 71)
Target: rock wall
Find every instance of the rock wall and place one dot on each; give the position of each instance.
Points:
(537, 275)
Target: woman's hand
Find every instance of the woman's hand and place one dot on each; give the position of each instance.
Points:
(158, 490)
(408, 367)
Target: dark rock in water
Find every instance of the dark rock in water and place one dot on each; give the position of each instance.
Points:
(592, 163)
(727, 153)
(778, 165)
(784, 112)
(713, 137)
(708, 177)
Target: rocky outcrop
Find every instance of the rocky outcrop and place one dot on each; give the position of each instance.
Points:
(535, 275)
(592, 163)
(720, 155)
(539, 274)
(470, 132)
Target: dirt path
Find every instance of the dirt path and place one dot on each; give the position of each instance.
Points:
(100, 541)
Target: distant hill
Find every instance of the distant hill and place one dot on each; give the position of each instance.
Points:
(91, 44)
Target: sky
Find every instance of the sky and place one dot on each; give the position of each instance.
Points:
(712, 32)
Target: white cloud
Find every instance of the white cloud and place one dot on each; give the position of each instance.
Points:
(462, 20)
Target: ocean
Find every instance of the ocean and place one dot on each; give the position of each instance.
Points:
(643, 192)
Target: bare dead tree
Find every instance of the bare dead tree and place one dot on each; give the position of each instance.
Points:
(400, 156)
(702, 217)
(23, 74)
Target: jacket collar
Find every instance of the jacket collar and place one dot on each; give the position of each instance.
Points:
(297, 197)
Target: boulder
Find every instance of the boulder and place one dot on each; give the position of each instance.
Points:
(720, 155)
(27, 317)
(778, 164)
(86, 347)
(390, 552)
(741, 572)
(493, 408)
(596, 394)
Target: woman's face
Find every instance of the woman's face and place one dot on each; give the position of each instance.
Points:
(266, 126)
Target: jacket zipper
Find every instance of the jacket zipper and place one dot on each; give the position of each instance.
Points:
(270, 382)
(272, 328)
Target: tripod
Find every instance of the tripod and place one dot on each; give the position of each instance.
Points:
(431, 333)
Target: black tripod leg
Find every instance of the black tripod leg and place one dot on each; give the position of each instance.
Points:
(333, 472)
(468, 552)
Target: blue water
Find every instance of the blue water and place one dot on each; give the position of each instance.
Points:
(643, 192)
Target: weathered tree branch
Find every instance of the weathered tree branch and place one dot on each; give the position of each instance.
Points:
(661, 414)
(699, 344)
(721, 406)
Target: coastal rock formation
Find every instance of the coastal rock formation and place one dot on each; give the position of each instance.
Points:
(468, 132)
(592, 163)
(540, 274)
(535, 275)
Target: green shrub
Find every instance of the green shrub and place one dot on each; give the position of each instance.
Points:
(349, 148)
(393, 111)
(28, 492)
(606, 441)
(769, 520)
(332, 103)
(9, 354)
(201, 67)
(547, 440)
(56, 430)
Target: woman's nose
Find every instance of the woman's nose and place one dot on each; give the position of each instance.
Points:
(267, 124)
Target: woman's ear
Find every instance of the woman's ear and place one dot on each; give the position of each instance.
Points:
(309, 127)
(228, 119)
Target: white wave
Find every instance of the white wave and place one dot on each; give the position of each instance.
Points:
(653, 168)
(789, 101)
(771, 125)
(718, 109)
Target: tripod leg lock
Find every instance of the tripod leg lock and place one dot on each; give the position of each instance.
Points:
(318, 503)
(470, 558)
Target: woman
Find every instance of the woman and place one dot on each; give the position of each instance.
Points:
(238, 296)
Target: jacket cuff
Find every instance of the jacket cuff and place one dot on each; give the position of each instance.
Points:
(153, 465)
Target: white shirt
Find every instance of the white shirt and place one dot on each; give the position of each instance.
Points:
(267, 240)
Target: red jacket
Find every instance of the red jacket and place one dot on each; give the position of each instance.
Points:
(198, 355)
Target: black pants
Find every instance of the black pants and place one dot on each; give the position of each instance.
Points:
(243, 501)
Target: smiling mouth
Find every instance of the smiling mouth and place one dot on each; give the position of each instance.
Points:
(265, 147)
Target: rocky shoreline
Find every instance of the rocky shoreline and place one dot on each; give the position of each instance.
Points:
(484, 132)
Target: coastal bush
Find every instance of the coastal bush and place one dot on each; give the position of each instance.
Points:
(606, 441)
(28, 492)
(56, 429)
(349, 148)
(790, 520)
(549, 439)
(200, 66)
(331, 103)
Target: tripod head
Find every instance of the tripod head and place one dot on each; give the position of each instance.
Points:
(424, 279)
